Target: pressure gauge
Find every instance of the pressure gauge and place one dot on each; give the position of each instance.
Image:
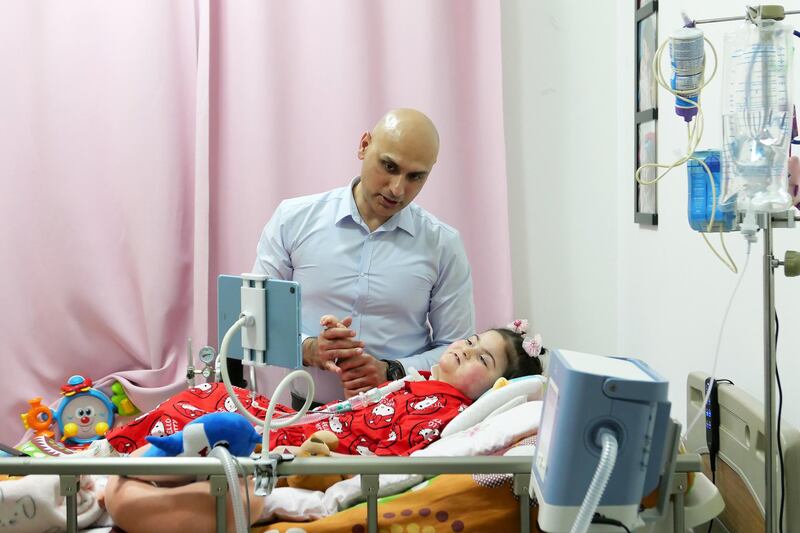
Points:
(207, 354)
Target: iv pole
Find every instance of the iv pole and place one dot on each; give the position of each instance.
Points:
(771, 518)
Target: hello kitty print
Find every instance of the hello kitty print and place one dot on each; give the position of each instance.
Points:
(402, 422)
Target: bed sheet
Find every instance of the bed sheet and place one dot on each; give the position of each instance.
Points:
(506, 433)
(444, 503)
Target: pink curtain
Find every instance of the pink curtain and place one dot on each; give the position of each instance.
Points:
(143, 145)
(294, 85)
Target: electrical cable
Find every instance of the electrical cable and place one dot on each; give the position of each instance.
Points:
(711, 459)
(719, 343)
(601, 519)
(714, 482)
(780, 409)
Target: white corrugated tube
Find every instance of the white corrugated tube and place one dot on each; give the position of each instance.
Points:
(608, 458)
(239, 519)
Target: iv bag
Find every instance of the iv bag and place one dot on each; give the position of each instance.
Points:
(757, 117)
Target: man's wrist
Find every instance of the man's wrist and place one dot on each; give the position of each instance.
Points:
(394, 369)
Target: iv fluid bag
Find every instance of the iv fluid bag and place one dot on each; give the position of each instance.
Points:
(756, 117)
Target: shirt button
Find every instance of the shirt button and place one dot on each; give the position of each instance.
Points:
(355, 313)
(361, 274)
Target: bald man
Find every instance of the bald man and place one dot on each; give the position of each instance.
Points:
(386, 286)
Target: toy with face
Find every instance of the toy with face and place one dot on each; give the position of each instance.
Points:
(85, 414)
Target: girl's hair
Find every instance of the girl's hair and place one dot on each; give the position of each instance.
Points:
(519, 362)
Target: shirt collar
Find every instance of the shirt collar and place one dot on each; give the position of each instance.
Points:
(403, 220)
(347, 207)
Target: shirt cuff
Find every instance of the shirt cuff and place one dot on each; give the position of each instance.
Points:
(422, 361)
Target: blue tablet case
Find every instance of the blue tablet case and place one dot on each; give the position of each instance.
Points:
(283, 319)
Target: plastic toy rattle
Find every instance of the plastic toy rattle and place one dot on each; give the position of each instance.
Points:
(39, 418)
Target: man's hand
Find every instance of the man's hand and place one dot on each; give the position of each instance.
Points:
(335, 343)
(361, 373)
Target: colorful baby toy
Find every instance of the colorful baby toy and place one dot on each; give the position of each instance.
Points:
(121, 401)
(39, 418)
(84, 415)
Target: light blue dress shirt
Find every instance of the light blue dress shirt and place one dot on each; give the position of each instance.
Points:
(407, 284)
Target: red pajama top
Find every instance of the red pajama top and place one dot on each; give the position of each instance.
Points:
(402, 422)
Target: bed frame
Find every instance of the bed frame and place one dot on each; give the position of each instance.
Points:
(70, 469)
(741, 466)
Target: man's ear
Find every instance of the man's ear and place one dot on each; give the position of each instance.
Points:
(365, 141)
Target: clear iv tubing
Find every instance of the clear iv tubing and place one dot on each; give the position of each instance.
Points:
(268, 422)
(729, 261)
(355, 403)
(695, 135)
(702, 409)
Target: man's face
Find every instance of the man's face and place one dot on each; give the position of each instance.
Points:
(394, 168)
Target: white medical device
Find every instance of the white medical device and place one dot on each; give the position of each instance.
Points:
(605, 423)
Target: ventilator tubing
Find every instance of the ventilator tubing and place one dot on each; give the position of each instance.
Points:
(608, 458)
(239, 519)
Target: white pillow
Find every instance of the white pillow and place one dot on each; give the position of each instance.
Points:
(489, 436)
(530, 387)
(506, 406)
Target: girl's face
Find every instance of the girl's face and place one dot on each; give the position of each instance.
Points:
(472, 365)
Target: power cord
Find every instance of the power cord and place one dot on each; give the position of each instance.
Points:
(780, 409)
(712, 427)
(602, 519)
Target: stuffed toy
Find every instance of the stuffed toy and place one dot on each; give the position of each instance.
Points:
(319, 444)
(198, 437)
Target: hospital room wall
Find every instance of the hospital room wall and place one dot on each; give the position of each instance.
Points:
(589, 276)
(561, 165)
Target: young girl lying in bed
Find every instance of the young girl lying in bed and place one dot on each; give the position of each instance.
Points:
(402, 422)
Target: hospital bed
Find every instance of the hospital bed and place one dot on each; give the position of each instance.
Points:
(740, 466)
(368, 468)
(690, 506)
(499, 423)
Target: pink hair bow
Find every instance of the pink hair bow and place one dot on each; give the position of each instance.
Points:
(519, 326)
(532, 345)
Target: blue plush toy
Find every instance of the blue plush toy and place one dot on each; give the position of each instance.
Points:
(198, 437)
